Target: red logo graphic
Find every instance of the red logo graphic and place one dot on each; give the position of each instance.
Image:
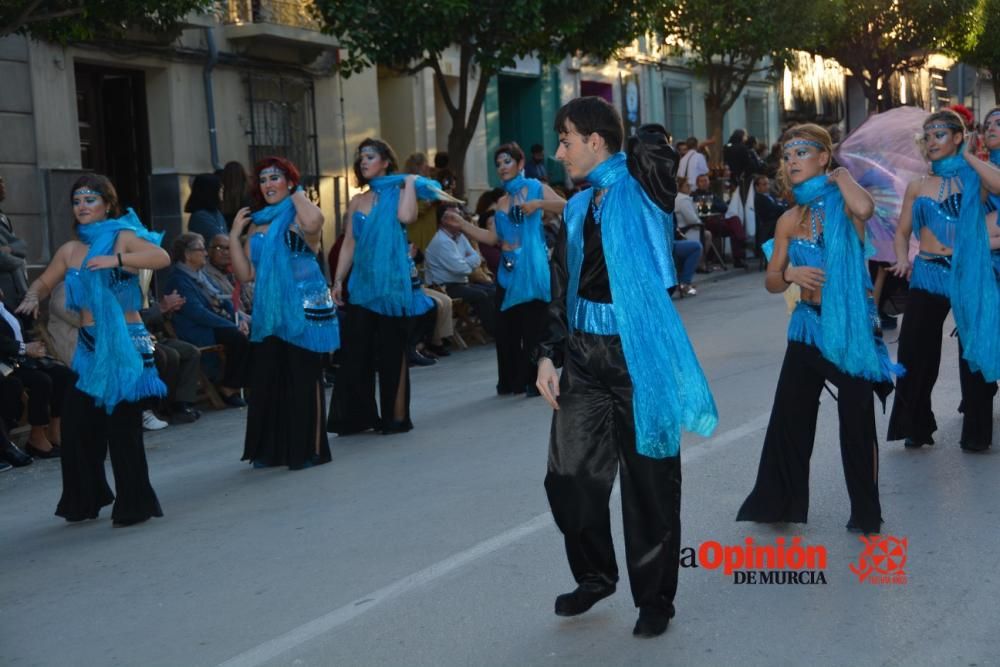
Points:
(882, 560)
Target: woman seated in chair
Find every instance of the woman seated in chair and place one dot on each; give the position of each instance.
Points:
(207, 317)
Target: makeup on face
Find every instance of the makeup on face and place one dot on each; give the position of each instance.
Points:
(991, 130)
(938, 138)
(801, 157)
(273, 184)
(506, 165)
(371, 161)
(89, 205)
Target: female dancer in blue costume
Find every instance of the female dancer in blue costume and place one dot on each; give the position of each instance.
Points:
(294, 320)
(113, 358)
(631, 381)
(381, 295)
(991, 138)
(524, 283)
(945, 210)
(833, 336)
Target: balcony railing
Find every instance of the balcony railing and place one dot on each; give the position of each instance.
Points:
(289, 13)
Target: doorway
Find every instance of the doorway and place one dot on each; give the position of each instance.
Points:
(114, 131)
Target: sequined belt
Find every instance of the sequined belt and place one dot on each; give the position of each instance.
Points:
(594, 318)
(932, 273)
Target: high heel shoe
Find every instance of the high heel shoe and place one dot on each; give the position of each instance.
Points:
(53, 453)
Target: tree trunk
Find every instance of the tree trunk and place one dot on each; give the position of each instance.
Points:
(713, 122)
(995, 74)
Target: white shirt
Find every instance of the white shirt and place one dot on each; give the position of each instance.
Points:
(15, 325)
(685, 213)
(691, 166)
(449, 260)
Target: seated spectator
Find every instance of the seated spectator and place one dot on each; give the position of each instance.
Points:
(62, 326)
(450, 259)
(687, 253)
(44, 378)
(424, 316)
(720, 225)
(421, 231)
(177, 362)
(220, 270)
(203, 205)
(535, 167)
(767, 209)
(688, 223)
(13, 251)
(704, 198)
(207, 317)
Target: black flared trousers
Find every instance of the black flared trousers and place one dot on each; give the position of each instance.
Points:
(371, 344)
(286, 410)
(781, 492)
(593, 438)
(920, 353)
(89, 434)
(518, 330)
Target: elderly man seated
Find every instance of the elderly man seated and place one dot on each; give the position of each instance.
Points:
(220, 270)
(448, 261)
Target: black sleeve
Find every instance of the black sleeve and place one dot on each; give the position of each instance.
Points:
(9, 347)
(556, 329)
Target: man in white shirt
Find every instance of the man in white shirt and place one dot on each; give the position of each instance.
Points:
(448, 261)
(693, 164)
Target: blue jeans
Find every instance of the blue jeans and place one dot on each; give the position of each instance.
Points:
(686, 256)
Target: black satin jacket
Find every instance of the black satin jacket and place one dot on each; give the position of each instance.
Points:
(594, 286)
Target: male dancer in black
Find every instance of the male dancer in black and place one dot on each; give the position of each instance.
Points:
(630, 379)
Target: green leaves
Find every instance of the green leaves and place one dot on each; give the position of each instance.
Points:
(77, 20)
(406, 35)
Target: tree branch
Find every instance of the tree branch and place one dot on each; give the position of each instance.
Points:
(443, 89)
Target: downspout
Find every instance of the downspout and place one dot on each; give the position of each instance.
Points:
(213, 59)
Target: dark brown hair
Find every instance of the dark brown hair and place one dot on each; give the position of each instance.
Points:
(512, 149)
(103, 186)
(593, 114)
(383, 149)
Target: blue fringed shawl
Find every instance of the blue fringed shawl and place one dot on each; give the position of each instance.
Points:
(530, 280)
(670, 390)
(994, 199)
(847, 339)
(380, 272)
(975, 300)
(275, 311)
(117, 367)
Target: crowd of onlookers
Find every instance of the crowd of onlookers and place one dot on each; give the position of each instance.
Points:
(201, 323)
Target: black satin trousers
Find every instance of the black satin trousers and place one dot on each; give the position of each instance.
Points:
(920, 353)
(593, 438)
(781, 492)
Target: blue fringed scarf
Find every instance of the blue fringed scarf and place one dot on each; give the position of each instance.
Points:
(117, 365)
(275, 312)
(975, 299)
(380, 273)
(847, 339)
(530, 280)
(670, 391)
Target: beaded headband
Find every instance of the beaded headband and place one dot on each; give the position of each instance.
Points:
(805, 142)
(267, 171)
(944, 126)
(995, 112)
(370, 151)
(88, 191)
(506, 155)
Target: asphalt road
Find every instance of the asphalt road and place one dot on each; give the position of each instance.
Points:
(436, 547)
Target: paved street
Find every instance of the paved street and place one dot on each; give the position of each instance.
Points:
(436, 548)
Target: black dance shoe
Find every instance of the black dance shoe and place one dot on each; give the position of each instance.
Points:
(183, 413)
(857, 529)
(14, 456)
(417, 359)
(39, 454)
(652, 622)
(912, 443)
(583, 598)
(975, 448)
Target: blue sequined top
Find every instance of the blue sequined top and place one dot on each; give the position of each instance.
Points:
(510, 234)
(938, 216)
(804, 252)
(321, 333)
(124, 284)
